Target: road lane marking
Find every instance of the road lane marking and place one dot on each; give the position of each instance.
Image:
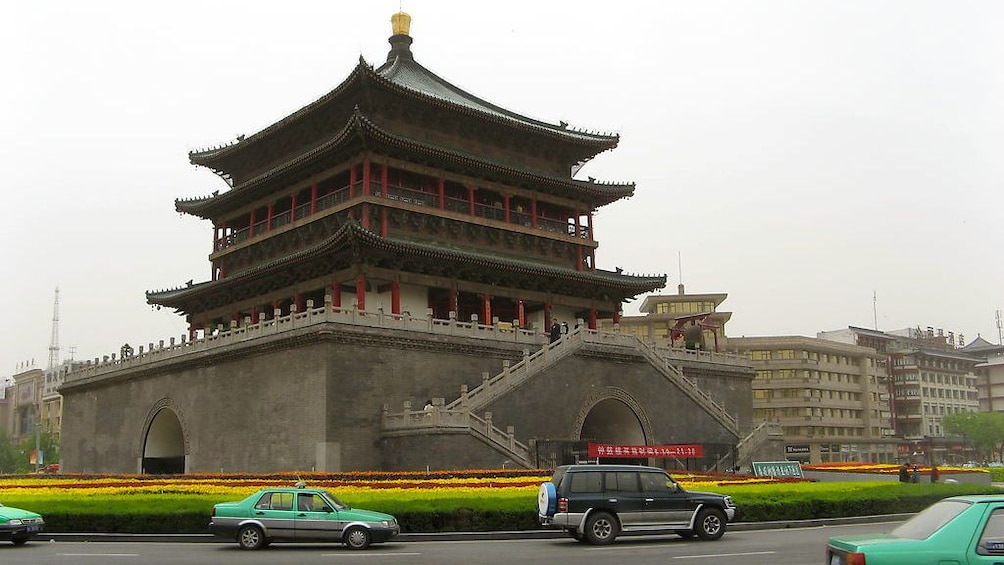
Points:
(368, 554)
(98, 554)
(720, 555)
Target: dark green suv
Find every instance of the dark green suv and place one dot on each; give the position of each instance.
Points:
(595, 503)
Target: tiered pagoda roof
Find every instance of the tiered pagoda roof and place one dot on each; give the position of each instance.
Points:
(402, 111)
(361, 132)
(352, 243)
(326, 125)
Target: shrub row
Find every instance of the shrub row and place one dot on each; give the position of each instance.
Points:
(753, 507)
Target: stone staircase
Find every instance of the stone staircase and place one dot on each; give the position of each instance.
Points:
(742, 455)
(460, 413)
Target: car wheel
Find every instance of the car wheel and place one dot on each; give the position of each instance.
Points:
(19, 540)
(357, 538)
(685, 534)
(601, 528)
(250, 537)
(710, 523)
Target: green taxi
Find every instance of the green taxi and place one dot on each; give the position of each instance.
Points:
(961, 530)
(18, 526)
(299, 514)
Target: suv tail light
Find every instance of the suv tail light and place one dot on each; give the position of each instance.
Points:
(562, 505)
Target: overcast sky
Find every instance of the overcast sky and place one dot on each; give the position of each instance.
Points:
(801, 156)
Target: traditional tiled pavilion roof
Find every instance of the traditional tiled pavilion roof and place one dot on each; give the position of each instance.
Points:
(378, 112)
(352, 243)
(405, 81)
(360, 132)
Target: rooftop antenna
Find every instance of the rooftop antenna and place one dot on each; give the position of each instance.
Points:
(1000, 328)
(679, 271)
(875, 308)
(54, 340)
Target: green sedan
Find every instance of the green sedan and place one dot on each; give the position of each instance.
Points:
(299, 514)
(18, 526)
(960, 530)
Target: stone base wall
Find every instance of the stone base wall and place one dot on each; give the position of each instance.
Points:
(313, 399)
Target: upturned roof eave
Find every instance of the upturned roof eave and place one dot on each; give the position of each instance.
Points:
(353, 232)
(609, 192)
(485, 109)
(363, 71)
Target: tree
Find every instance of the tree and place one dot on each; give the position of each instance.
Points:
(985, 430)
(8, 453)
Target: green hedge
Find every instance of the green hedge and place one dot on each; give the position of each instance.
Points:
(191, 514)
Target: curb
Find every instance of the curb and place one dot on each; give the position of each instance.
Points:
(460, 536)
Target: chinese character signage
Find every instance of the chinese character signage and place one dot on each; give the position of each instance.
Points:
(683, 451)
(777, 469)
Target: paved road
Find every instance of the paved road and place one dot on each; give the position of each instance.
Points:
(792, 546)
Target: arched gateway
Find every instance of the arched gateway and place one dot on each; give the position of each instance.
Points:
(164, 444)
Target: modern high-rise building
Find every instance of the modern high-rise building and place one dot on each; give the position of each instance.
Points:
(831, 399)
(931, 377)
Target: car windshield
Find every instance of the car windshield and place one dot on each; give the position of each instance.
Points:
(930, 519)
(339, 505)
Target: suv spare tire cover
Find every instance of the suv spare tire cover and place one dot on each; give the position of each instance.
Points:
(547, 499)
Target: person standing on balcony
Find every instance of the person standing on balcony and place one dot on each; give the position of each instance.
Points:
(555, 330)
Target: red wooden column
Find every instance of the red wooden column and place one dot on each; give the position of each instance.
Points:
(505, 204)
(592, 318)
(486, 302)
(336, 295)
(522, 314)
(383, 193)
(268, 224)
(292, 209)
(366, 192)
(442, 193)
(453, 300)
(617, 313)
(533, 213)
(298, 300)
(251, 225)
(470, 198)
(547, 316)
(395, 297)
(578, 257)
(254, 314)
(361, 292)
(589, 223)
(313, 198)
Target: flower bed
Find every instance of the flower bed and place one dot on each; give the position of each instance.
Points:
(423, 502)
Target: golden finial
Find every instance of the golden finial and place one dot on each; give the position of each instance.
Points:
(400, 23)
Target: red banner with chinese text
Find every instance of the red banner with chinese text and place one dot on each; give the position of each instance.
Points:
(681, 451)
